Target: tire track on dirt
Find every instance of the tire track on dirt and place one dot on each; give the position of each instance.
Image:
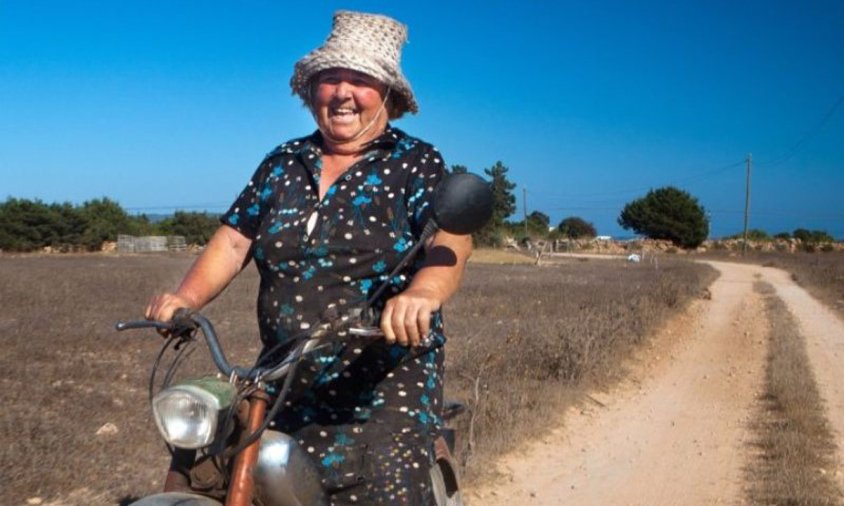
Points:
(823, 331)
(676, 433)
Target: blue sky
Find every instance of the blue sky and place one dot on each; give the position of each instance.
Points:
(162, 105)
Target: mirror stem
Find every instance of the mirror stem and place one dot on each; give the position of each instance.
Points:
(430, 229)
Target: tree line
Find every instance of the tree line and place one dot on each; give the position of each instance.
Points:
(30, 225)
(666, 213)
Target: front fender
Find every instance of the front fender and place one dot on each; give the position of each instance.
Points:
(176, 499)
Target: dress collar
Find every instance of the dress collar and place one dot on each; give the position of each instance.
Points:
(386, 141)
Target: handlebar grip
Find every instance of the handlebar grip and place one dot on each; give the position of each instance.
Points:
(182, 321)
(366, 331)
(142, 324)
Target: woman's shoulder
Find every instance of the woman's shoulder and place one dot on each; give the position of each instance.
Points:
(399, 136)
(291, 146)
(404, 144)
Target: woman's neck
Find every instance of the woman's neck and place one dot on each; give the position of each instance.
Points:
(350, 147)
(342, 149)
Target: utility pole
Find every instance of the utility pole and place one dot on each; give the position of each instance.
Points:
(747, 203)
(524, 206)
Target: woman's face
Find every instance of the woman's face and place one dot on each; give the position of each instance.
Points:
(346, 102)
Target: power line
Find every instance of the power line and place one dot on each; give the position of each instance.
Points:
(807, 137)
(619, 193)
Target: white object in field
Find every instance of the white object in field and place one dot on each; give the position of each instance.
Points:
(634, 258)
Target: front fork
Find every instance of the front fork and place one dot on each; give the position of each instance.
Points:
(242, 482)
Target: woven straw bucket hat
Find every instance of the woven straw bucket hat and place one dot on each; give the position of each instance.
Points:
(368, 43)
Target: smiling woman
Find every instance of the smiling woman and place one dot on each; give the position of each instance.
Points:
(326, 217)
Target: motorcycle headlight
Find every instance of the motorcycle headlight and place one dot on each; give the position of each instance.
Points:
(188, 414)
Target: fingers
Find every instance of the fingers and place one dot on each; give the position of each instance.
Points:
(387, 323)
(406, 319)
(162, 306)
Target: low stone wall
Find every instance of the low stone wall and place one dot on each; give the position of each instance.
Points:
(613, 247)
(150, 243)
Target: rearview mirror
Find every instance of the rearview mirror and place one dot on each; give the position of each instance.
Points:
(462, 203)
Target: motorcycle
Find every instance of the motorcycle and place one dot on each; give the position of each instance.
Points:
(218, 427)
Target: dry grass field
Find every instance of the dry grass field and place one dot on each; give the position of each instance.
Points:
(75, 425)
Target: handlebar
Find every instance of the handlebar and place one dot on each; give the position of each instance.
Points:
(185, 321)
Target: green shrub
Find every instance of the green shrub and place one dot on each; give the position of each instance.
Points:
(667, 213)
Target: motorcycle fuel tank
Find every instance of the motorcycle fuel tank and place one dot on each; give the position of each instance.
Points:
(285, 475)
(176, 499)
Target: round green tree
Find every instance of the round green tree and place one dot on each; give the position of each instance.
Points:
(575, 227)
(667, 213)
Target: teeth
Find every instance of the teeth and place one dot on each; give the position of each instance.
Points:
(343, 111)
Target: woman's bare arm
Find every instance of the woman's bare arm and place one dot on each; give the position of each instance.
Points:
(407, 316)
(223, 258)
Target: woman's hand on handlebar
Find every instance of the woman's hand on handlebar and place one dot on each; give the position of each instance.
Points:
(162, 306)
(406, 318)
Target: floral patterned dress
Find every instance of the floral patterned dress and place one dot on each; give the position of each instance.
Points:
(366, 414)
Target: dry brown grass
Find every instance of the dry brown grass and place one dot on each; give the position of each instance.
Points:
(795, 461)
(499, 256)
(821, 273)
(528, 338)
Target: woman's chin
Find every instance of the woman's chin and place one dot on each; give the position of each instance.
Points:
(344, 132)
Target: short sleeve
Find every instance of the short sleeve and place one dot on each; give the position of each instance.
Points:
(248, 209)
(420, 188)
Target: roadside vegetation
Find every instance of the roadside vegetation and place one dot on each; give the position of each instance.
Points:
(32, 225)
(524, 342)
(795, 458)
(821, 272)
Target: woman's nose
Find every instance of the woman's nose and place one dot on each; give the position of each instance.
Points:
(343, 89)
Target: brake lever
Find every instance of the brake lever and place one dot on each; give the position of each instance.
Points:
(366, 331)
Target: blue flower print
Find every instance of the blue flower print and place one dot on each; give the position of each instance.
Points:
(400, 245)
(266, 192)
(373, 180)
(253, 210)
(402, 146)
(233, 219)
(343, 440)
(361, 199)
(379, 266)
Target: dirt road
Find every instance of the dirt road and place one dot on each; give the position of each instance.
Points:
(677, 431)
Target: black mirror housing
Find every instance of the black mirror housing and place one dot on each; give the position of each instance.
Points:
(462, 203)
